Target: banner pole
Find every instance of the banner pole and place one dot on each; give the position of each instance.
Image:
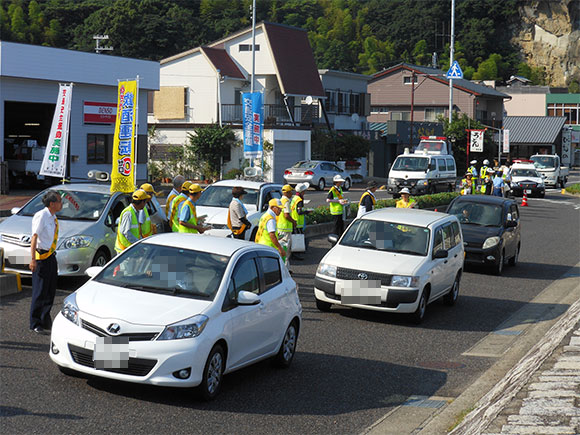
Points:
(135, 133)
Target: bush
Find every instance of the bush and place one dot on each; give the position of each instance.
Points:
(322, 214)
(233, 173)
(574, 189)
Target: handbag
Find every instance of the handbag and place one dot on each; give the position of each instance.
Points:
(298, 243)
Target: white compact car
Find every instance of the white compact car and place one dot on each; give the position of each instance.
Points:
(393, 260)
(180, 310)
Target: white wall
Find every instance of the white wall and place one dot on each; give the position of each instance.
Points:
(264, 59)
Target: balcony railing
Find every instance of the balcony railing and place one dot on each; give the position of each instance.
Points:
(274, 114)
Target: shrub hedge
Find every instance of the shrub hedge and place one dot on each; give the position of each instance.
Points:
(322, 214)
(574, 189)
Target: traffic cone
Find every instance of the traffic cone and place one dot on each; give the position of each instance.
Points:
(525, 200)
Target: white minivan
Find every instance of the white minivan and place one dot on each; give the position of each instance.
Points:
(393, 260)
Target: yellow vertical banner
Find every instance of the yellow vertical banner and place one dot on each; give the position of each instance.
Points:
(124, 158)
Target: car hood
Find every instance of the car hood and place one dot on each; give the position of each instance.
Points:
(23, 225)
(478, 234)
(218, 215)
(373, 261)
(412, 175)
(537, 180)
(134, 306)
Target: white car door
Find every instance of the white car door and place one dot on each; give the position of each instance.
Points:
(453, 257)
(438, 265)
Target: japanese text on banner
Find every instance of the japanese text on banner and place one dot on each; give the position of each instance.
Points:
(253, 117)
(122, 174)
(476, 141)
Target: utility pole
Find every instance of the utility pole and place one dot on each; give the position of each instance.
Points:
(451, 53)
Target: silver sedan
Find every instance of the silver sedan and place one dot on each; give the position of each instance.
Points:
(318, 173)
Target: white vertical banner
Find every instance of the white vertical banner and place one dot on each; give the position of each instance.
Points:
(476, 141)
(506, 142)
(566, 146)
(54, 161)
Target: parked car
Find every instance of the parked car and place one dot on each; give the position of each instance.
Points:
(215, 200)
(491, 230)
(393, 260)
(181, 310)
(526, 179)
(316, 172)
(87, 228)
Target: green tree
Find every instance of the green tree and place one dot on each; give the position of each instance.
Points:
(36, 23)
(18, 26)
(420, 54)
(211, 145)
(4, 23)
(375, 56)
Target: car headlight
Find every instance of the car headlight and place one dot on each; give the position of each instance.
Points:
(514, 184)
(327, 270)
(76, 242)
(490, 242)
(422, 183)
(404, 281)
(188, 328)
(70, 310)
(390, 181)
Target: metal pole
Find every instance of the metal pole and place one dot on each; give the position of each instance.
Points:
(412, 109)
(136, 136)
(253, 44)
(451, 53)
(219, 97)
(500, 133)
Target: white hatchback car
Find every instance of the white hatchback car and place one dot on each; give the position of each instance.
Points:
(180, 310)
(393, 260)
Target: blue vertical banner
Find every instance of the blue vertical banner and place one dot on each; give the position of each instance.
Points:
(253, 114)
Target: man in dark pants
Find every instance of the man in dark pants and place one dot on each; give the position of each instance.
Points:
(43, 263)
(337, 203)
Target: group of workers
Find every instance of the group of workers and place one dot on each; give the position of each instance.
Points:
(486, 181)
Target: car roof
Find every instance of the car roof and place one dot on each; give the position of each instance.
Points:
(484, 199)
(205, 243)
(406, 216)
(84, 187)
(244, 183)
(523, 166)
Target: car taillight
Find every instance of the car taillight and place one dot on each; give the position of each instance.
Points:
(287, 172)
(309, 173)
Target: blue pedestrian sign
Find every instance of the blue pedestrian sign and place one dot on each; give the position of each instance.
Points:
(455, 71)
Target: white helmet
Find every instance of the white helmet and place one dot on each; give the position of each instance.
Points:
(473, 162)
(405, 190)
(486, 162)
(337, 178)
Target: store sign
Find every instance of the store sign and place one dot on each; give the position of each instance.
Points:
(99, 113)
(476, 141)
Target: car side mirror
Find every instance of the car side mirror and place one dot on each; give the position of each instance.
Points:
(441, 253)
(511, 224)
(15, 210)
(93, 271)
(333, 239)
(248, 298)
(109, 220)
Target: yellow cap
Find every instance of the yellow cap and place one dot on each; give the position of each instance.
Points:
(194, 188)
(275, 202)
(287, 188)
(140, 195)
(185, 185)
(149, 189)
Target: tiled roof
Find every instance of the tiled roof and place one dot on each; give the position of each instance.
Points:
(465, 85)
(221, 60)
(534, 129)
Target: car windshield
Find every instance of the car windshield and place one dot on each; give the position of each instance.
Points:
(544, 162)
(411, 164)
(76, 205)
(221, 196)
(525, 173)
(305, 165)
(167, 270)
(487, 215)
(387, 236)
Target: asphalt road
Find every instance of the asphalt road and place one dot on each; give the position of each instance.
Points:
(351, 368)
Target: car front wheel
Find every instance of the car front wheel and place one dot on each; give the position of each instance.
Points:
(514, 259)
(101, 258)
(347, 184)
(288, 347)
(498, 268)
(451, 297)
(213, 373)
(321, 184)
(419, 314)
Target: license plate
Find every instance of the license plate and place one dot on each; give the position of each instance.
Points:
(111, 353)
(361, 292)
(528, 191)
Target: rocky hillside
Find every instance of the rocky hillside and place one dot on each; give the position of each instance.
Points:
(549, 37)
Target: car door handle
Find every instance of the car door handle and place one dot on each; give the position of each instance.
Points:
(455, 256)
(445, 262)
(261, 305)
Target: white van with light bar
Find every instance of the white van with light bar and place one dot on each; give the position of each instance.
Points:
(430, 169)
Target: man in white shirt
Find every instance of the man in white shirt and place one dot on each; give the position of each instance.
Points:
(43, 263)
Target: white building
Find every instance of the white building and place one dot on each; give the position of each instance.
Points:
(204, 86)
(29, 84)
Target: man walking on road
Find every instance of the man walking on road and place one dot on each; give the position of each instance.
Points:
(337, 203)
(43, 263)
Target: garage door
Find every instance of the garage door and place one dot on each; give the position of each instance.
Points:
(286, 153)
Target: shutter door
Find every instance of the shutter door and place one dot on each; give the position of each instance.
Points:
(286, 153)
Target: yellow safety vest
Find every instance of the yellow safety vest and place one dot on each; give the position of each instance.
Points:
(472, 170)
(122, 243)
(299, 218)
(229, 223)
(170, 198)
(335, 207)
(483, 172)
(465, 189)
(283, 223)
(262, 236)
(192, 219)
(52, 248)
(367, 193)
(174, 219)
(402, 204)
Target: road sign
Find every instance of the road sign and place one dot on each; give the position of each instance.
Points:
(455, 71)
(506, 142)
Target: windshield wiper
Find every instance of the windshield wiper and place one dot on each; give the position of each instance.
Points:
(141, 287)
(406, 251)
(180, 291)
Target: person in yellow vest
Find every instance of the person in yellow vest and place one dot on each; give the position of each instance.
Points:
(487, 183)
(337, 202)
(151, 206)
(176, 206)
(178, 180)
(467, 185)
(483, 169)
(286, 223)
(43, 263)
(237, 221)
(406, 201)
(299, 213)
(367, 200)
(130, 230)
(267, 233)
(188, 220)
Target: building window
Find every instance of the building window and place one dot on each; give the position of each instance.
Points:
(248, 47)
(375, 110)
(407, 80)
(569, 110)
(331, 101)
(432, 113)
(150, 102)
(99, 148)
(400, 116)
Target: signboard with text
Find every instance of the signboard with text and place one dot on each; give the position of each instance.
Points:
(99, 113)
(253, 118)
(506, 142)
(476, 141)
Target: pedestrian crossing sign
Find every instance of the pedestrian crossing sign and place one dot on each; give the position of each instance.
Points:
(455, 71)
